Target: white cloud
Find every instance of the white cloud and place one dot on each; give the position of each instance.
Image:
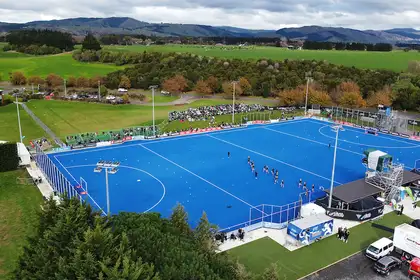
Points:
(258, 14)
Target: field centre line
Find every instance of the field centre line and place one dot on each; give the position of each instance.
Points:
(80, 186)
(285, 163)
(201, 178)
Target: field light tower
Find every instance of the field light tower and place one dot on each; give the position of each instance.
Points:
(112, 167)
(336, 129)
(233, 100)
(153, 107)
(308, 77)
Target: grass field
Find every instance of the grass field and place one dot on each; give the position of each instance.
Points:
(18, 204)
(396, 60)
(65, 118)
(62, 64)
(9, 130)
(258, 255)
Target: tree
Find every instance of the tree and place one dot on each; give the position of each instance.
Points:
(245, 86)
(202, 88)
(94, 81)
(35, 80)
(176, 84)
(125, 82)
(381, 97)
(213, 83)
(270, 273)
(82, 82)
(18, 78)
(319, 97)
(90, 43)
(53, 80)
(204, 234)
(352, 100)
(228, 90)
(71, 81)
(179, 219)
(292, 97)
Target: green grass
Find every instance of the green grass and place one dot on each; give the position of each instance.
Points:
(258, 255)
(66, 118)
(9, 129)
(19, 205)
(395, 60)
(161, 98)
(62, 64)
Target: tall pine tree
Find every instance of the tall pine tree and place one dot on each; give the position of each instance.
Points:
(90, 43)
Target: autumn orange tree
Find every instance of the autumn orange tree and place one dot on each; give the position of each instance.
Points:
(383, 97)
(228, 89)
(71, 81)
(36, 80)
(292, 97)
(202, 88)
(82, 82)
(319, 97)
(213, 83)
(245, 86)
(18, 78)
(352, 100)
(125, 82)
(176, 84)
(53, 80)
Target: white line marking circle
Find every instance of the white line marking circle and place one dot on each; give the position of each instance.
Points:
(361, 144)
(137, 169)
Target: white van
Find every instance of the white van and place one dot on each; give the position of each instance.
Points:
(379, 249)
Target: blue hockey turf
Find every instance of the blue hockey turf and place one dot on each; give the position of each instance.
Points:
(195, 170)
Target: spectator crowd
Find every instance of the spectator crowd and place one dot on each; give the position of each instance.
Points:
(205, 112)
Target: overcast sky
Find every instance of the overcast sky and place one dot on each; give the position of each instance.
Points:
(256, 14)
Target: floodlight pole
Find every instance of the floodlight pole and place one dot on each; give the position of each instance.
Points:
(108, 208)
(333, 167)
(308, 78)
(233, 101)
(99, 90)
(153, 108)
(65, 88)
(18, 116)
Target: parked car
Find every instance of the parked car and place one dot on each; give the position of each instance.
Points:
(386, 264)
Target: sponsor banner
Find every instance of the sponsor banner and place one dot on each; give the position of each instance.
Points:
(90, 145)
(298, 118)
(395, 133)
(62, 149)
(415, 138)
(355, 215)
(137, 137)
(404, 135)
(358, 126)
(128, 138)
(103, 144)
(415, 191)
(174, 134)
(384, 131)
(77, 147)
(114, 142)
(311, 232)
(274, 121)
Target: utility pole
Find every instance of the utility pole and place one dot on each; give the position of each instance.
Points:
(153, 107)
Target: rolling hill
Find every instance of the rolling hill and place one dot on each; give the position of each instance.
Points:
(130, 26)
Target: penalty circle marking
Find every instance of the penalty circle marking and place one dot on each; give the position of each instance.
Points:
(137, 169)
(366, 145)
